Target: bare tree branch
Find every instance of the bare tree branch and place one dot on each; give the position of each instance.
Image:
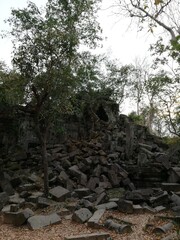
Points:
(154, 18)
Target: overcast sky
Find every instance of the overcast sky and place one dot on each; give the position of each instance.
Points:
(121, 42)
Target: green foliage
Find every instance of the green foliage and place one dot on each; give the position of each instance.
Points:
(12, 87)
(137, 119)
(46, 54)
(117, 79)
(164, 52)
(171, 141)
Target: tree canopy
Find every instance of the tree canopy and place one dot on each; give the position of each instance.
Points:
(46, 53)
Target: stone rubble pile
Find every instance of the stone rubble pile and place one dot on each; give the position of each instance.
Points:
(82, 172)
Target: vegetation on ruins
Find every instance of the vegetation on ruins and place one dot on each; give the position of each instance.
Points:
(51, 76)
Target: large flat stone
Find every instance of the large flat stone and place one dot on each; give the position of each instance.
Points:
(59, 193)
(45, 202)
(171, 186)
(4, 198)
(6, 186)
(92, 236)
(82, 192)
(125, 206)
(82, 215)
(161, 198)
(94, 221)
(40, 221)
(17, 218)
(74, 171)
(102, 198)
(109, 205)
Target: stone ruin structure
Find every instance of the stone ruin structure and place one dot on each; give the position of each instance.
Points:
(98, 152)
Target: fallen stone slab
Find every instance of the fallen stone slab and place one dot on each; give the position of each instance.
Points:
(102, 198)
(119, 228)
(17, 218)
(160, 208)
(59, 193)
(175, 199)
(75, 172)
(93, 183)
(105, 185)
(148, 209)
(82, 215)
(125, 206)
(135, 196)
(170, 186)
(163, 229)
(40, 221)
(108, 206)
(170, 237)
(174, 175)
(33, 178)
(63, 212)
(4, 198)
(16, 199)
(159, 199)
(14, 207)
(28, 187)
(175, 209)
(43, 202)
(91, 236)
(33, 198)
(82, 192)
(114, 179)
(94, 221)
(6, 186)
(138, 209)
(87, 204)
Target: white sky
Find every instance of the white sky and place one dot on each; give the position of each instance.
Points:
(121, 42)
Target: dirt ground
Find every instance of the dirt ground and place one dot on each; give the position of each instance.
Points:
(141, 231)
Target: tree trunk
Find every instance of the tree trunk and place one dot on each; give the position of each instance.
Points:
(150, 117)
(45, 167)
(129, 139)
(42, 136)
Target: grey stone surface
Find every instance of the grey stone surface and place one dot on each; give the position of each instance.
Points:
(174, 175)
(17, 218)
(93, 183)
(125, 206)
(160, 209)
(4, 198)
(82, 215)
(16, 199)
(119, 228)
(171, 186)
(59, 193)
(108, 206)
(91, 236)
(74, 171)
(45, 202)
(163, 229)
(94, 221)
(40, 221)
(102, 198)
(161, 198)
(82, 192)
(175, 199)
(138, 209)
(6, 186)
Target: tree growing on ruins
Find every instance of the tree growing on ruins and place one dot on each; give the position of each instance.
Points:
(45, 54)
